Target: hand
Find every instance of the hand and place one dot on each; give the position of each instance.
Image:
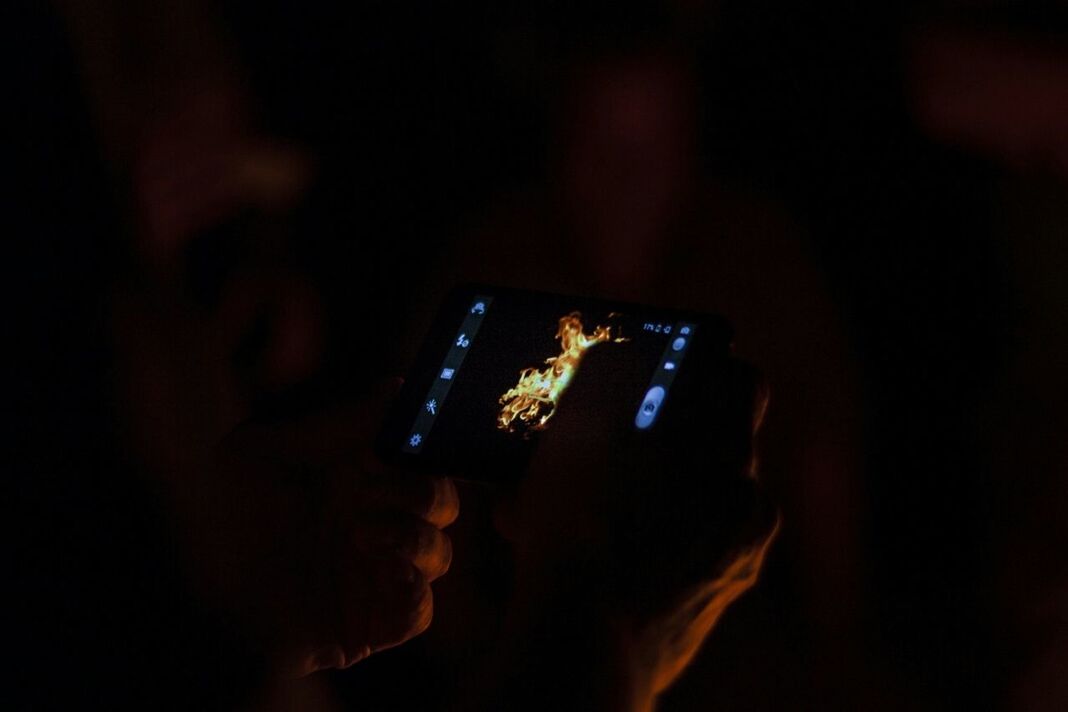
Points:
(655, 535)
(321, 552)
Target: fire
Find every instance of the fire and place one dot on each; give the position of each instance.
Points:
(533, 399)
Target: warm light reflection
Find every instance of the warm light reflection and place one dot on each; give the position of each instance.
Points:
(532, 401)
(691, 622)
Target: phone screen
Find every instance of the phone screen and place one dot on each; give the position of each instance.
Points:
(499, 364)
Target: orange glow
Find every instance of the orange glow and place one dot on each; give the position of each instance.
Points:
(532, 401)
(701, 608)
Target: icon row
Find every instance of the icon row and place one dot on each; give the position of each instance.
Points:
(664, 328)
(432, 405)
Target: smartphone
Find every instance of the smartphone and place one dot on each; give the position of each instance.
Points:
(498, 366)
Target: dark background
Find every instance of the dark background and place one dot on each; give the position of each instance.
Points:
(919, 146)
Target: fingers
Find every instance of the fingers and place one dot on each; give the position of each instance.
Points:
(384, 558)
(428, 497)
(384, 602)
(403, 535)
(392, 548)
(405, 604)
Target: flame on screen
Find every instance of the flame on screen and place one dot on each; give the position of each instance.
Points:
(531, 402)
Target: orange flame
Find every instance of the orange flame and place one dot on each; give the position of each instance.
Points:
(532, 401)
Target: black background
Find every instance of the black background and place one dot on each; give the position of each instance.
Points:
(941, 258)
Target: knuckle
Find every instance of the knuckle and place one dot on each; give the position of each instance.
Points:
(429, 540)
(401, 610)
(422, 614)
(431, 551)
(439, 556)
(446, 555)
(445, 504)
(418, 540)
(416, 617)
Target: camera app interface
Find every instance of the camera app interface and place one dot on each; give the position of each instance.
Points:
(512, 358)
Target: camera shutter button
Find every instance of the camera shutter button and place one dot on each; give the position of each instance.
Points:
(650, 407)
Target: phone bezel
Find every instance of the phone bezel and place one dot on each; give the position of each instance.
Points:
(712, 341)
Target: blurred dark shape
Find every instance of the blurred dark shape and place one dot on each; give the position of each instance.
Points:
(1005, 95)
(93, 576)
(994, 93)
(914, 158)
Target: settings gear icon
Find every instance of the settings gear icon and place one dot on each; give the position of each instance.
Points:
(416, 440)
